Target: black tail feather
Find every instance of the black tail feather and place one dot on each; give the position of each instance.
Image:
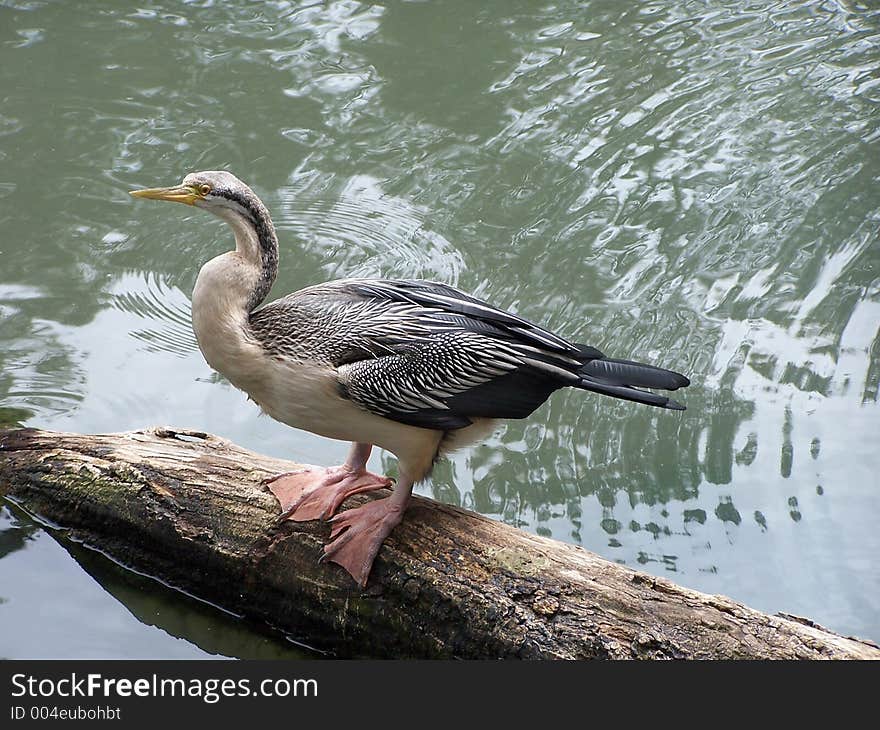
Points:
(627, 372)
(633, 394)
(624, 378)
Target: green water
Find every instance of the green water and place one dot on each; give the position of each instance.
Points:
(694, 184)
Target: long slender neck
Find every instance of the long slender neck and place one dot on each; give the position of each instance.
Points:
(256, 244)
(231, 286)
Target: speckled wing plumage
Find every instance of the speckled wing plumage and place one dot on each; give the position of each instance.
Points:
(428, 355)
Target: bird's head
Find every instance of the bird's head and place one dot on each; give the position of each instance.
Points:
(217, 191)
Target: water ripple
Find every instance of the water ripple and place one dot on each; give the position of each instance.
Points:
(359, 230)
(164, 308)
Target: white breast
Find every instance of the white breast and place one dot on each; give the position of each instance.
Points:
(305, 395)
(300, 393)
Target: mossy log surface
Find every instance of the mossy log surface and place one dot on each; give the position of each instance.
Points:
(190, 509)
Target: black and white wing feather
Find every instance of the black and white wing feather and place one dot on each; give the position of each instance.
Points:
(428, 355)
(448, 299)
(446, 380)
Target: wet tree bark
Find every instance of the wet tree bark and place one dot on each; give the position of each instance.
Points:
(189, 508)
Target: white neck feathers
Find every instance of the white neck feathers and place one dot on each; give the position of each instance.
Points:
(247, 243)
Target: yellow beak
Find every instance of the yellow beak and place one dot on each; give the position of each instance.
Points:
(176, 194)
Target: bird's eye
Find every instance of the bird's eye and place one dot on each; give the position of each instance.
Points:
(204, 188)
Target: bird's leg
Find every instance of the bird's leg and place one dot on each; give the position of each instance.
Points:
(357, 534)
(315, 493)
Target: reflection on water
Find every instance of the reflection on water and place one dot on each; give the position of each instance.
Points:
(685, 183)
(139, 617)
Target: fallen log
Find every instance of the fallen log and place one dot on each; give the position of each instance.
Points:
(189, 508)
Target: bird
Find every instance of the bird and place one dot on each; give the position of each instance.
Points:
(415, 367)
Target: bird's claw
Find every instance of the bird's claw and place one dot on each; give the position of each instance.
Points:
(356, 536)
(316, 493)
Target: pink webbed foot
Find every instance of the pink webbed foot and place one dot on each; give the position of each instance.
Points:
(357, 534)
(315, 493)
